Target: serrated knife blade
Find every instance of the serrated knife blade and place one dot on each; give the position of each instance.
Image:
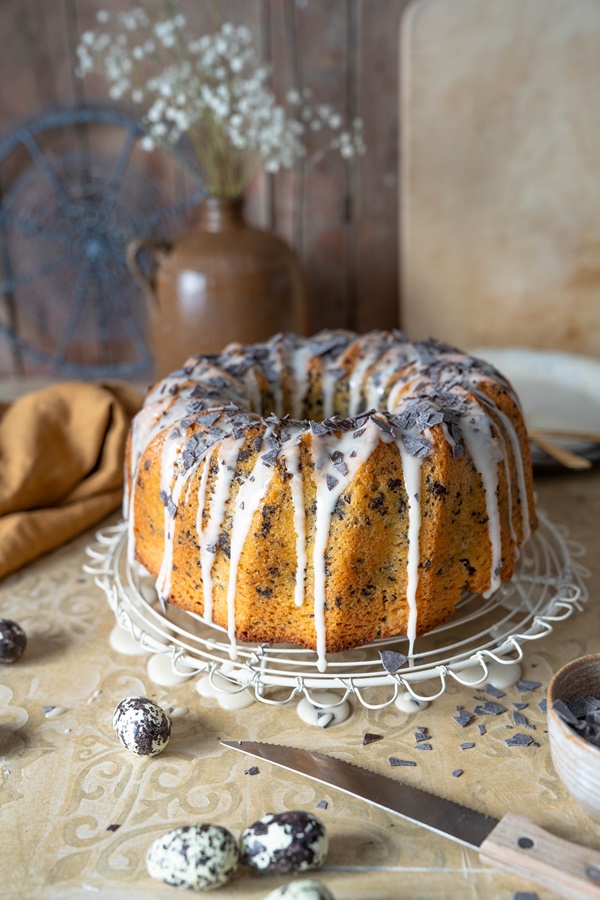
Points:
(513, 844)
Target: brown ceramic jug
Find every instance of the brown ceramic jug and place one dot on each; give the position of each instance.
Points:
(221, 281)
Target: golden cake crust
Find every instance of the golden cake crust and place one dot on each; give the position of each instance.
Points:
(339, 520)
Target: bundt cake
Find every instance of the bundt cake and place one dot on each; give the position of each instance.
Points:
(329, 491)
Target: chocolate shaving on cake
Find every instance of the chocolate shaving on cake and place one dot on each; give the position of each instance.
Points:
(467, 745)
(394, 761)
(416, 445)
(457, 773)
(331, 482)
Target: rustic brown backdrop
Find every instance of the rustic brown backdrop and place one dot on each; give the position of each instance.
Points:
(341, 218)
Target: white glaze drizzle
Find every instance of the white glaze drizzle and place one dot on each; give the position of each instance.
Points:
(248, 500)
(292, 462)
(226, 456)
(485, 453)
(322, 448)
(299, 371)
(411, 468)
(357, 376)
(511, 431)
(172, 448)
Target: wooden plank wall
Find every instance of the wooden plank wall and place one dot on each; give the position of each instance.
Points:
(342, 219)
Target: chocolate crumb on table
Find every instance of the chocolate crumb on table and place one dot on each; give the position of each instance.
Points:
(369, 738)
(520, 740)
(490, 709)
(523, 686)
(463, 718)
(494, 692)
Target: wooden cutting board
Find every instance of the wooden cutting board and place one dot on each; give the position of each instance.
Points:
(500, 172)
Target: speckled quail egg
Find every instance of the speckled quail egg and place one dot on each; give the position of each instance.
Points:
(301, 890)
(285, 842)
(141, 725)
(199, 857)
(13, 641)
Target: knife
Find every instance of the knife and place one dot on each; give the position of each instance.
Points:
(513, 844)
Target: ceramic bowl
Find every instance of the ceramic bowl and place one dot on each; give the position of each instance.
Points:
(577, 761)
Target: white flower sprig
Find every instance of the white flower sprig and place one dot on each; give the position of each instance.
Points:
(212, 90)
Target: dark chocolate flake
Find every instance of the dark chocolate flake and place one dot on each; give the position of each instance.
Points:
(463, 718)
(523, 686)
(394, 761)
(494, 691)
(467, 745)
(422, 747)
(369, 738)
(519, 740)
(416, 445)
(457, 773)
(392, 661)
(490, 709)
(322, 804)
(331, 482)
(112, 827)
(253, 770)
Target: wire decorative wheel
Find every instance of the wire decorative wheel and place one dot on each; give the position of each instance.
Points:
(76, 190)
(547, 588)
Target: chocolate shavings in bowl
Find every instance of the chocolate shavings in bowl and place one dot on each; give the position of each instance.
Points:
(582, 715)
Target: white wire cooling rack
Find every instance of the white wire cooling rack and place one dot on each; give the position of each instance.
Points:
(548, 587)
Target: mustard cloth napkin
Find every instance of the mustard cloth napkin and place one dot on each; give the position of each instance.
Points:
(61, 464)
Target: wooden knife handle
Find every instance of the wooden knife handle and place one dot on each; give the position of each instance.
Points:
(516, 845)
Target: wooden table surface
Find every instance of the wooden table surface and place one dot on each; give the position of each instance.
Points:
(65, 780)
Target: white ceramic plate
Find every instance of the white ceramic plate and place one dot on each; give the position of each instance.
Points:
(557, 390)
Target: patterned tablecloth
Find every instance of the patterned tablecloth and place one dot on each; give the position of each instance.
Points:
(66, 782)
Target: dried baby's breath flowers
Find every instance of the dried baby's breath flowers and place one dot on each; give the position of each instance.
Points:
(213, 92)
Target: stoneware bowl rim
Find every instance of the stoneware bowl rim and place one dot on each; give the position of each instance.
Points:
(576, 761)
